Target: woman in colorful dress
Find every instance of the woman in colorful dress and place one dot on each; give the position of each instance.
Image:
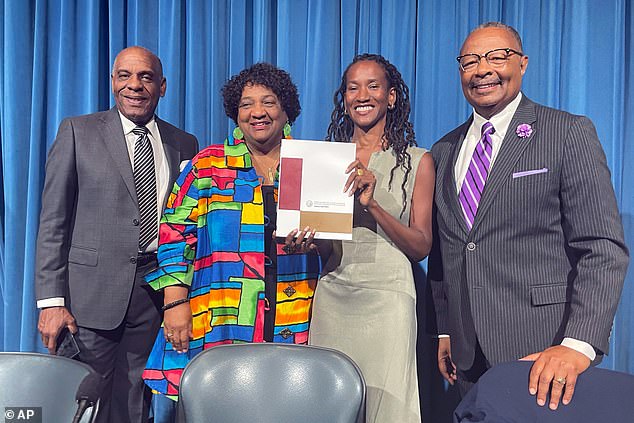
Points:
(365, 304)
(224, 276)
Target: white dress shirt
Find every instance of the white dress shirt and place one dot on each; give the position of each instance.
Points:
(500, 122)
(160, 164)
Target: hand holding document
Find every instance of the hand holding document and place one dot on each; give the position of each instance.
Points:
(311, 188)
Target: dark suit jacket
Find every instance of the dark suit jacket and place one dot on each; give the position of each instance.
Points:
(89, 224)
(546, 257)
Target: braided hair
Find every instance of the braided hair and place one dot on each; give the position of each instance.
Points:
(399, 131)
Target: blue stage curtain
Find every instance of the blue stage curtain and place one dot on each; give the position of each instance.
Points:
(57, 54)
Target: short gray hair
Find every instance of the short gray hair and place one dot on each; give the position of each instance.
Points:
(501, 25)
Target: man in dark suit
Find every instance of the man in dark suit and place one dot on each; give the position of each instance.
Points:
(108, 175)
(529, 257)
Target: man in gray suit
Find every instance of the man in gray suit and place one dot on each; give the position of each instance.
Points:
(107, 178)
(529, 257)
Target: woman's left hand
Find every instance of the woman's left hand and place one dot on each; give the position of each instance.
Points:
(300, 243)
(361, 181)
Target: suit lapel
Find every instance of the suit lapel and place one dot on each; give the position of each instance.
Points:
(449, 177)
(172, 154)
(113, 137)
(512, 149)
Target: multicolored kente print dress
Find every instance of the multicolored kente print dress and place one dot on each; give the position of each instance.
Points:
(212, 239)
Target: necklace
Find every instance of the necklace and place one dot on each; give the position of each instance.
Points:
(266, 166)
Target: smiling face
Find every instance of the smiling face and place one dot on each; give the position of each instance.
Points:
(368, 95)
(137, 84)
(261, 117)
(486, 88)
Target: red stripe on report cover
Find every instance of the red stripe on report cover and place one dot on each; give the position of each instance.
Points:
(291, 183)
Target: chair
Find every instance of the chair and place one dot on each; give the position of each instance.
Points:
(39, 380)
(501, 395)
(272, 383)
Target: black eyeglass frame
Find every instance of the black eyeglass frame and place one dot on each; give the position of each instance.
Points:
(485, 56)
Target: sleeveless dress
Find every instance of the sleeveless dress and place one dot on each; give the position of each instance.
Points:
(366, 306)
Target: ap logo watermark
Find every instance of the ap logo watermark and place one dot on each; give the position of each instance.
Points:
(23, 414)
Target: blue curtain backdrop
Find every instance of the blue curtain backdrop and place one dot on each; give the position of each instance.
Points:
(56, 58)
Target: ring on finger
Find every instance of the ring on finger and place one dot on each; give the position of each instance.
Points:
(561, 380)
(360, 172)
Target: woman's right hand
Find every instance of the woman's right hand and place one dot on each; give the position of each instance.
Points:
(177, 321)
(177, 327)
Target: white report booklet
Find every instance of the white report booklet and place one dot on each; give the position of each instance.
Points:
(312, 177)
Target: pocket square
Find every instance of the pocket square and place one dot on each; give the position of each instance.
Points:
(529, 172)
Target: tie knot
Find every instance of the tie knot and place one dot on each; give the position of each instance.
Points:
(140, 130)
(487, 128)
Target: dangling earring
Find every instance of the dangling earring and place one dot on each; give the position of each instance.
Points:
(237, 133)
(390, 107)
(287, 130)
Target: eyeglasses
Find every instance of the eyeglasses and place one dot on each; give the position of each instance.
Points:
(496, 58)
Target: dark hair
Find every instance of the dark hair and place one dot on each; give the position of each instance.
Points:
(399, 131)
(272, 77)
(501, 25)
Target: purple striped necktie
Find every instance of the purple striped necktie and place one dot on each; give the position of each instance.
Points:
(476, 177)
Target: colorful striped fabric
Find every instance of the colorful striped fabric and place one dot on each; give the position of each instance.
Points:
(212, 240)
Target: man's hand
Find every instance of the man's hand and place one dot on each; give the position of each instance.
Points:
(445, 364)
(52, 321)
(558, 367)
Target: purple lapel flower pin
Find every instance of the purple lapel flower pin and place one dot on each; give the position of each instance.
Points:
(524, 130)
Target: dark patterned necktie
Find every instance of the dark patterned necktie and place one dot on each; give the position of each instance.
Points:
(145, 183)
(476, 177)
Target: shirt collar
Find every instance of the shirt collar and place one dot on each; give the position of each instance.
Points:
(128, 125)
(500, 121)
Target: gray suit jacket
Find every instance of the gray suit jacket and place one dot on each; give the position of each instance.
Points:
(546, 257)
(89, 224)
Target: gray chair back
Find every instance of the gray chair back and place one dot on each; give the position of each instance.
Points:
(272, 383)
(29, 380)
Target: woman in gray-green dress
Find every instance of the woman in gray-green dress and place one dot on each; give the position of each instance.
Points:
(365, 303)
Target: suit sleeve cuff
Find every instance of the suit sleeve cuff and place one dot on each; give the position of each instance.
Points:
(580, 346)
(51, 302)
